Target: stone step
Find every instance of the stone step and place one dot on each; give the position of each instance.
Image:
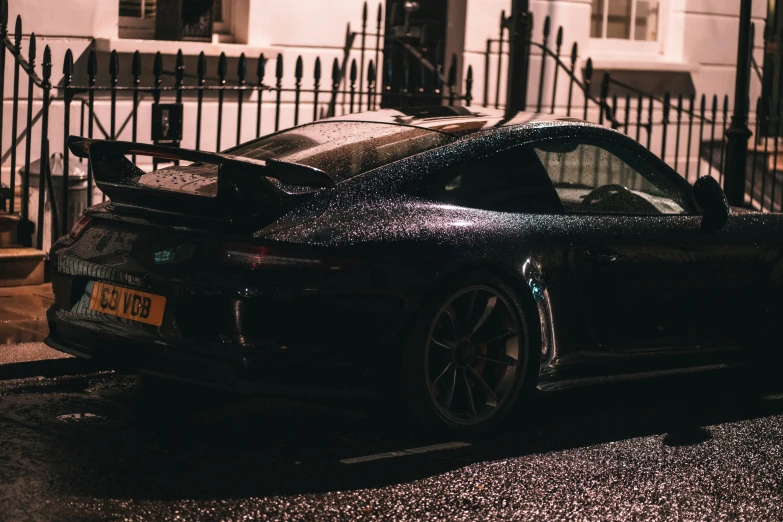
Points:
(21, 266)
(8, 225)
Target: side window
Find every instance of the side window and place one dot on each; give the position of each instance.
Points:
(509, 181)
(603, 178)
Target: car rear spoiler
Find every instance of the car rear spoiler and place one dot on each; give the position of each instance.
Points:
(240, 180)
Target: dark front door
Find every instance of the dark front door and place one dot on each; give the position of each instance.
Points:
(413, 51)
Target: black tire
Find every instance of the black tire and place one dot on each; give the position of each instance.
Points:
(430, 399)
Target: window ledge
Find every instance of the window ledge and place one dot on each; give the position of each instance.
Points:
(624, 64)
(169, 47)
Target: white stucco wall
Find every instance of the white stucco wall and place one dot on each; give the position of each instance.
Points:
(699, 37)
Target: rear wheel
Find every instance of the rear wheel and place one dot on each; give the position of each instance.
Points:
(467, 358)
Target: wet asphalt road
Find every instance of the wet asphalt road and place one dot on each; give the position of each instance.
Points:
(111, 447)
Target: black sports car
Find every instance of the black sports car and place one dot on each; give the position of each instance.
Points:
(455, 259)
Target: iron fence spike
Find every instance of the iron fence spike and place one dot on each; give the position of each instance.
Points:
(364, 14)
(559, 40)
(353, 70)
(136, 65)
(180, 67)
(242, 68)
(92, 65)
(317, 68)
(157, 67)
(46, 64)
(31, 51)
(4, 15)
(114, 65)
(222, 67)
(68, 66)
(335, 71)
(547, 23)
(371, 72)
(298, 69)
(574, 53)
(453, 71)
(380, 13)
(279, 66)
(18, 33)
(201, 66)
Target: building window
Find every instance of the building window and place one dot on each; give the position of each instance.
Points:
(137, 18)
(625, 20)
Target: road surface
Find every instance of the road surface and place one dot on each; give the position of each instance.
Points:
(113, 447)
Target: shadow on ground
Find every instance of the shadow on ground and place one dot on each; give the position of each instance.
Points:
(177, 442)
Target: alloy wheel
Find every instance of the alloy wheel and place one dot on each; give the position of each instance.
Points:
(473, 355)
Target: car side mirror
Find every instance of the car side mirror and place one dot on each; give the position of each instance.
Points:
(715, 207)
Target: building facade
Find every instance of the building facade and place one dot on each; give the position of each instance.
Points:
(650, 48)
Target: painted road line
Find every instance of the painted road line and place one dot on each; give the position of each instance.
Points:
(403, 453)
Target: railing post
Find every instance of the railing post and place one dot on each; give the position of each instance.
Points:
(370, 84)
(179, 83)
(352, 85)
(469, 86)
(157, 71)
(738, 133)
(222, 73)
(67, 79)
(136, 72)
(114, 71)
(260, 72)
(25, 229)
(317, 85)
(298, 73)
(278, 89)
(241, 73)
(520, 25)
(45, 175)
(201, 71)
(453, 79)
(15, 109)
(92, 70)
(3, 38)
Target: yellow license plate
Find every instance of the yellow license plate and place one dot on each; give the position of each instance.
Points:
(127, 303)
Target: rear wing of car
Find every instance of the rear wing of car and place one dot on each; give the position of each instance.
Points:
(240, 181)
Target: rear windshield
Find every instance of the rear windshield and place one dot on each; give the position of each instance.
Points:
(343, 149)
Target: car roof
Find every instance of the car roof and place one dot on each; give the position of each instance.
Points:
(459, 121)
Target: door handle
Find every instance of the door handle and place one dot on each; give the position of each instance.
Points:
(603, 257)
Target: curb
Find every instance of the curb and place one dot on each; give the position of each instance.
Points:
(47, 368)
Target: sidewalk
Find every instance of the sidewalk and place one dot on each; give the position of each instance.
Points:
(23, 313)
(23, 328)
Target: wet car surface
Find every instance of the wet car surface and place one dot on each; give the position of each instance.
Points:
(453, 261)
(110, 447)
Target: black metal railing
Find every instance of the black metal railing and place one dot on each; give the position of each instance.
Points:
(239, 99)
(546, 102)
(687, 130)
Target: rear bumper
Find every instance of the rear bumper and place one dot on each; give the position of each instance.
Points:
(226, 374)
(258, 344)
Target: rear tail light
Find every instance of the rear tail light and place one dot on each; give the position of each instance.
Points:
(254, 257)
(79, 228)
